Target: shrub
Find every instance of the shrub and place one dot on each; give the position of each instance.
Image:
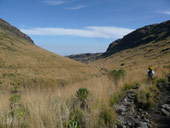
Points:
(76, 119)
(18, 111)
(116, 75)
(82, 94)
(73, 124)
(14, 119)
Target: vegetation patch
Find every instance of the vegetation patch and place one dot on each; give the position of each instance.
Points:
(107, 117)
(76, 119)
(114, 98)
(116, 76)
(83, 94)
(146, 97)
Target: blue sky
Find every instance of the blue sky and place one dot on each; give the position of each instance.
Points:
(81, 26)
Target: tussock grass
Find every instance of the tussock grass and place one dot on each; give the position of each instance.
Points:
(59, 106)
(146, 96)
(52, 107)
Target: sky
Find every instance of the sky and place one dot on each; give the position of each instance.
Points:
(81, 26)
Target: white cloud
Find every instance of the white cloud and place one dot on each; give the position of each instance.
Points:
(76, 7)
(55, 2)
(111, 31)
(90, 32)
(166, 12)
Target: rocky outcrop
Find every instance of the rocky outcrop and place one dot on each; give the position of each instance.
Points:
(144, 35)
(6, 26)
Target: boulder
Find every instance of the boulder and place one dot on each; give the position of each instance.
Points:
(165, 112)
(166, 106)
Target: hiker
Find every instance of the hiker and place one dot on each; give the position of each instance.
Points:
(150, 72)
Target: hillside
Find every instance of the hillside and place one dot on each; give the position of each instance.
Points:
(146, 46)
(24, 63)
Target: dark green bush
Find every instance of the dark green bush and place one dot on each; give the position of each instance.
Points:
(82, 94)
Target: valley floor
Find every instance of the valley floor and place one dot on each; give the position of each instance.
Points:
(104, 107)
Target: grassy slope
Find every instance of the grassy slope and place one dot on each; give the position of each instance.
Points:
(139, 58)
(25, 63)
(149, 45)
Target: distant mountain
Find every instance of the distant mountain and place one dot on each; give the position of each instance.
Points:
(86, 57)
(141, 36)
(24, 63)
(6, 26)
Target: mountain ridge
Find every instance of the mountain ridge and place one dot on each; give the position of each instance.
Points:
(144, 35)
(139, 37)
(6, 26)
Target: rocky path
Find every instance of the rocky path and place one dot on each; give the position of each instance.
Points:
(132, 117)
(129, 116)
(161, 112)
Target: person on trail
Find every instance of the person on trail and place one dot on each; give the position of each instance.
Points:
(150, 72)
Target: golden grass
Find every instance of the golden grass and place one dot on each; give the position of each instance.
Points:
(30, 65)
(4, 105)
(146, 95)
(51, 107)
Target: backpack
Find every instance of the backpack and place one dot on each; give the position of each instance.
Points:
(150, 73)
